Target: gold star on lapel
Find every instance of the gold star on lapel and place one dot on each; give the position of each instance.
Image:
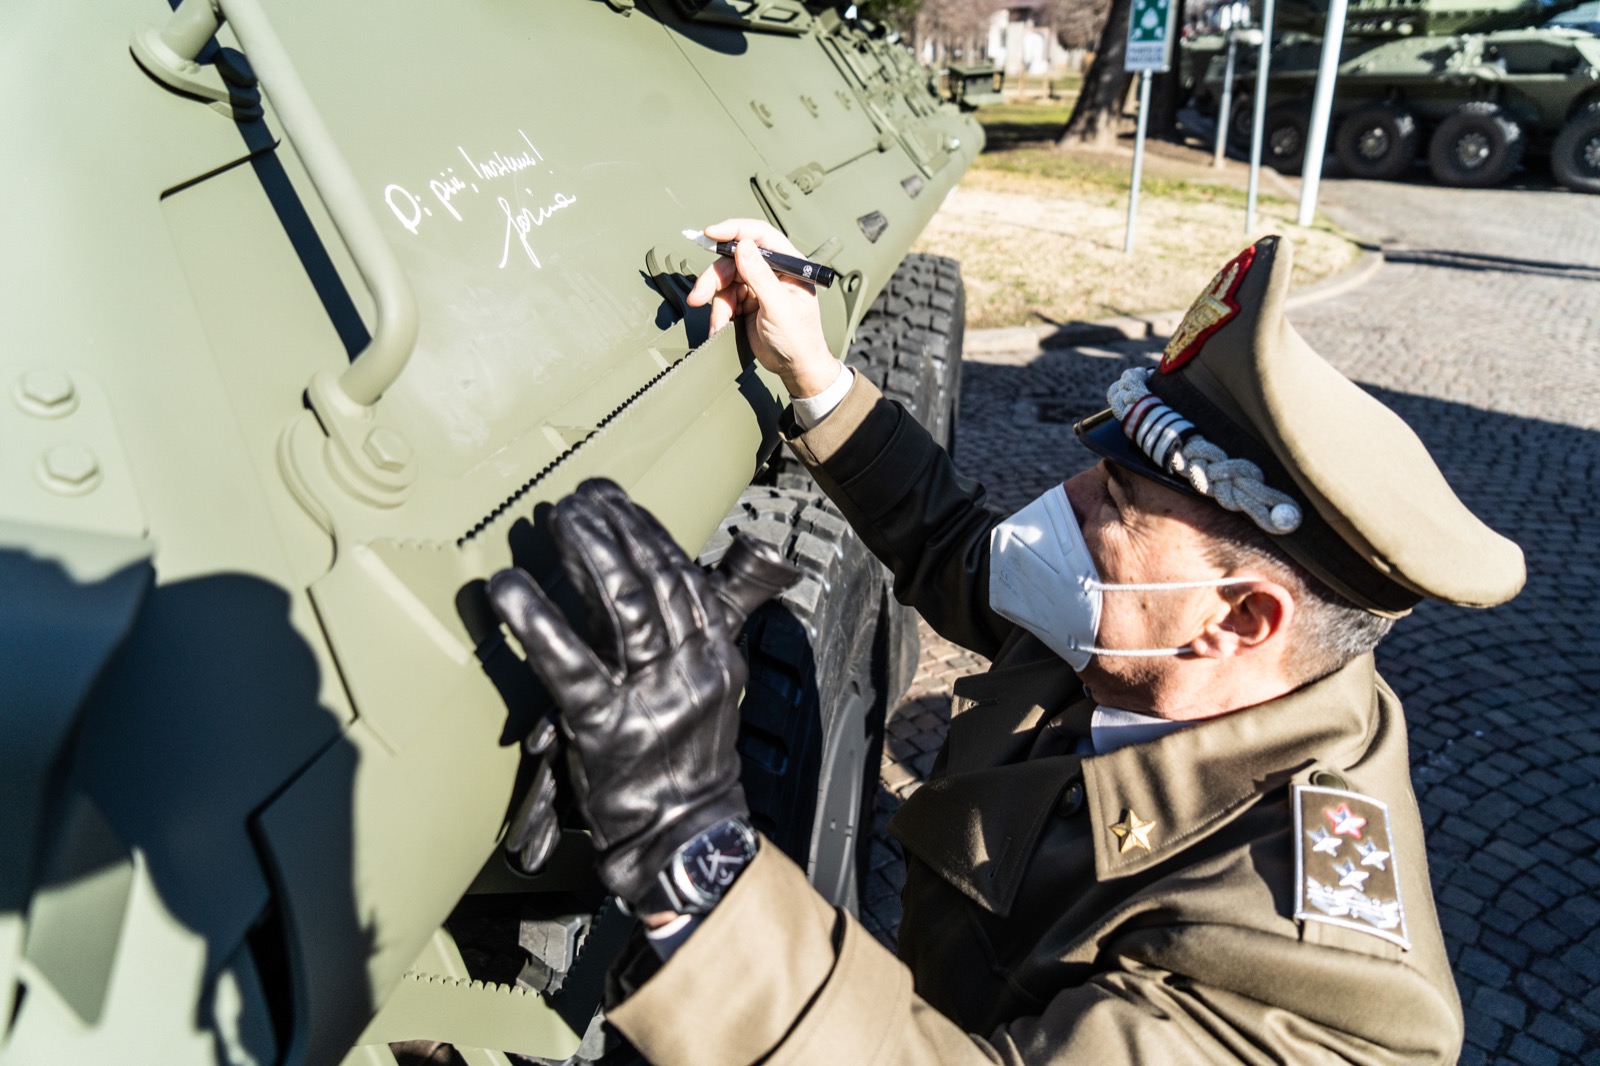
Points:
(1132, 832)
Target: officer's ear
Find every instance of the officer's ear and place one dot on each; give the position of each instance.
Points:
(1251, 618)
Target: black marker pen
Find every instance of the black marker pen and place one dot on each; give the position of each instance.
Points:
(792, 265)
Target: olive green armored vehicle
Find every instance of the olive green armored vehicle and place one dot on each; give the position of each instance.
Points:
(1445, 82)
(308, 309)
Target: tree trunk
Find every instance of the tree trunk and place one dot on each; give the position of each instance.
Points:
(1099, 105)
(1166, 93)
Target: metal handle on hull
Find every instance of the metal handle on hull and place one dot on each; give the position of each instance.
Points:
(194, 23)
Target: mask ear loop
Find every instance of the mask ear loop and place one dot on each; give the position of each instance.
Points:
(1152, 586)
(1157, 586)
(1135, 653)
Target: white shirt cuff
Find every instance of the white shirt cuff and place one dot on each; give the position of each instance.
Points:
(670, 937)
(813, 409)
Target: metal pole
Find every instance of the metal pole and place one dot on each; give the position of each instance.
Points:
(1226, 107)
(1138, 158)
(1263, 63)
(1321, 111)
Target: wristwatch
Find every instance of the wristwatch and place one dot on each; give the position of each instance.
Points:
(700, 872)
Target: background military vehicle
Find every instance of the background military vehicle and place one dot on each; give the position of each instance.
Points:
(1446, 81)
(1584, 17)
(308, 309)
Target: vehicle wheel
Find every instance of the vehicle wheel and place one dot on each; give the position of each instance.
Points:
(909, 341)
(1241, 119)
(1477, 145)
(1283, 143)
(909, 344)
(811, 722)
(1575, 159)
(1377, 141)
(918, 321)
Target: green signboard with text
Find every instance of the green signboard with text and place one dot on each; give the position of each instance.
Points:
(1150, 36)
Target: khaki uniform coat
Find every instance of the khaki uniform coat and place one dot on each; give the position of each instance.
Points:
(1029, 934)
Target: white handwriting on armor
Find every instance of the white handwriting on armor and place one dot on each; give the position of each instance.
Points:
(456, 193)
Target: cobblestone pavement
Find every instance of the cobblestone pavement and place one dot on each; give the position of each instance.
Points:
(1482, 329)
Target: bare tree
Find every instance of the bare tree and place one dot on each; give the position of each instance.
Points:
(1079, 23)
(1099, 104)
(900, 14)
(955, 26)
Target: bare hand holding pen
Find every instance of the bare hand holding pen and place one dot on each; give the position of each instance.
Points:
(783, 321)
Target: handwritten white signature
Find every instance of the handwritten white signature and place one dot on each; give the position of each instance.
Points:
(524, 221)
(450, 189)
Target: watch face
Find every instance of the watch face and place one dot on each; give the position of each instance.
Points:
(711, 861)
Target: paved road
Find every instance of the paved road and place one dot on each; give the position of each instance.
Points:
(1483, 330)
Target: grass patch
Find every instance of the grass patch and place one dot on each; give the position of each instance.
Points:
(1039, 232)
(1012, 125)
(1047, 118)
(1054, 172)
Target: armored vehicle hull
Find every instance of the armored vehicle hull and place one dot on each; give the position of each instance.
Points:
(1456, 83)
(1473, 105)
(309, 307)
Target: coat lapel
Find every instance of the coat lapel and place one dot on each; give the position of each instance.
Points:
(976, 823)
(977, 830)
(1191, 783)
(993, 715)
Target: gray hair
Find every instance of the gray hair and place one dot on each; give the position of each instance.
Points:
(1328, 629)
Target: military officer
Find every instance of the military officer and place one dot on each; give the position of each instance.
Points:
(1172, 823)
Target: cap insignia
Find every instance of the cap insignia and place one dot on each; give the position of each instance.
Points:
(1132, 833)
(1346, 864)
(1211, 310)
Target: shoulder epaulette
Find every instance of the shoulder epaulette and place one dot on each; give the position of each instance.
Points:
(1345, 862)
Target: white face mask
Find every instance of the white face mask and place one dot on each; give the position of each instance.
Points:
(1042, 578)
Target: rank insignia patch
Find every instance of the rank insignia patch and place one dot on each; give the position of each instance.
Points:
(1211, 310)
(1346, 863)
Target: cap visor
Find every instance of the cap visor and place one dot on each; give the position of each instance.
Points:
(1102, 434)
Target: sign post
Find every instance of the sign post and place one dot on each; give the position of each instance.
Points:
(1321, 109)
(1226, 107)
(1263, 68)
(1234, 20)
(1149, 51)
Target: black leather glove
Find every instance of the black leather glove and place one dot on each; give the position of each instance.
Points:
(650, 702)
(535, 828)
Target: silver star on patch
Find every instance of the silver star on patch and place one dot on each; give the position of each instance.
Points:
(1324, 841)
(1350, 877)
(1372, 856)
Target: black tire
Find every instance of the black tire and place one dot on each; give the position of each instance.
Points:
(1575, 158)
(918, 321)
(1476, 146)
(909, 344)
(909, 341)
(811, 729)
(1378, 141)
(1283, 144)
(1241, 119)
